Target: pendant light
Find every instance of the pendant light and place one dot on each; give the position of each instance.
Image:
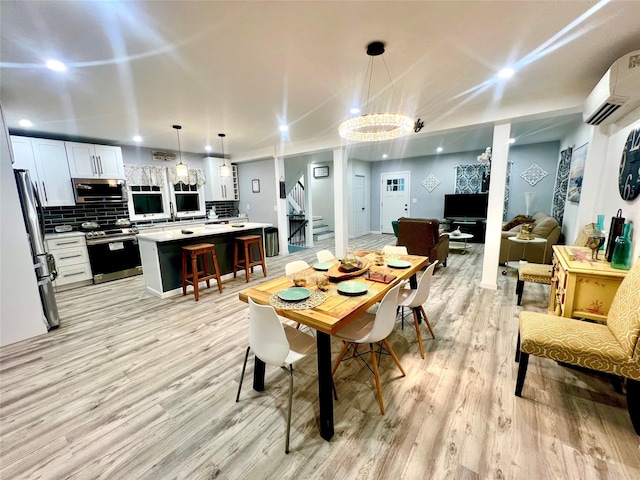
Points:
(181, 169)
(225, 171)
(375, 127)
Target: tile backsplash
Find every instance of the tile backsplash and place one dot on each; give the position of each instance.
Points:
(76, 215)
(108, 213)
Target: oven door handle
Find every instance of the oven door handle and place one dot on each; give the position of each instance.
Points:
(99, 241)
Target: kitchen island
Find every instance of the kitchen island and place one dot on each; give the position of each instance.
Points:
(161, 252)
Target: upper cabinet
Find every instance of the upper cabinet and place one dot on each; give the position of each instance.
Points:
(94, 161)
(219, 188)
(46, 161)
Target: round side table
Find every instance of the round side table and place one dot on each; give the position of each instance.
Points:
(457, 238)
(514, 264)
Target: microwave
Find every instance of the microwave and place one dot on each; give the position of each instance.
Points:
(99, 190)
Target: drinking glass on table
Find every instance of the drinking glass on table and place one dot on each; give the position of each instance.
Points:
(322, 282)
(299, 279)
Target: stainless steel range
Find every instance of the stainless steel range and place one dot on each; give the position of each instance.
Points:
(113, 253)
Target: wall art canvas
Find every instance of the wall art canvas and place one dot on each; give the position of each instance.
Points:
(562, 181)
(576, 176)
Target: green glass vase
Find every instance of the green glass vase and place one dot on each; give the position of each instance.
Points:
(621, 258)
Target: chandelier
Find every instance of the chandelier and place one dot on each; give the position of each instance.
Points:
(181, 169)
(375, 127)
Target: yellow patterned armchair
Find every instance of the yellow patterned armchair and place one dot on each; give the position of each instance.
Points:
(612, 348)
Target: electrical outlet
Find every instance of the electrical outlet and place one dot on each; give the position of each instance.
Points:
(248, 207)
(275, 208)
(414, 200)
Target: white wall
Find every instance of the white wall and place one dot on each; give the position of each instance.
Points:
(600, 193)
(322, 194)
(21, 314)
(358, 167)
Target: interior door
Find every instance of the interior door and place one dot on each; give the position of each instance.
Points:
(359, 214)
(394, 198)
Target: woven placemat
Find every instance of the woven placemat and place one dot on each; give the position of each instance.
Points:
(316, 298)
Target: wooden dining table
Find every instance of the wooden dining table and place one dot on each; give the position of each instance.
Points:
(329, 317)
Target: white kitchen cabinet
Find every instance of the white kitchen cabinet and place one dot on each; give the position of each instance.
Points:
(219, 188)
(94, 161)
(72, 260)
(46, 161)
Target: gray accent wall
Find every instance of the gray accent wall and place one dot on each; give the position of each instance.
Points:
(425, 204)
(545, 155)
(260, 207)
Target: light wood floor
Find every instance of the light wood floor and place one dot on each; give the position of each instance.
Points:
(132, 386)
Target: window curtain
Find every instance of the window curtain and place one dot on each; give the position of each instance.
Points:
(562, 182)
(196, 177)
(469, 177)
(144, 175)
(469, 180)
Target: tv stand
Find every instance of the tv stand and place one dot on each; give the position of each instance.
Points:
(474, 226)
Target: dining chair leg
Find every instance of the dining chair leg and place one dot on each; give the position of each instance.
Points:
(418, 333)
(522, 373)
(290, 372)
(426, 320)
(393, 355)
(244, 366)
(374, 364)
(345, 348)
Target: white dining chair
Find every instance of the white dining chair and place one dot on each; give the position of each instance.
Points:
(275, 344)
(372, 329)
(395, 250)
(415, 299)
(325, 256)
(295, 266)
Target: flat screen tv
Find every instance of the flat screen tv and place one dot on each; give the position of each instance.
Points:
(187, 202)
(466, 205)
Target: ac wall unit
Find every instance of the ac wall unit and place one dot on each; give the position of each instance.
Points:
(617, 92)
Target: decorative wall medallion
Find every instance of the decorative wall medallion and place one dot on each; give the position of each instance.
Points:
(430, 183)
(533, 174)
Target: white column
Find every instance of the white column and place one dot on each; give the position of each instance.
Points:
(340, 201)
(493, 236)
(281, 206)
(308, 205)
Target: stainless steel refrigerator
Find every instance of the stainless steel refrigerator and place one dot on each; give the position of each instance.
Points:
(43, 262)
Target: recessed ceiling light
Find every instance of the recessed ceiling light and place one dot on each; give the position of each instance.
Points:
(284, 128)
(137, 138)
(25, 123)
(439, 149)
(512, 140)
(354, 110)
(56, 66)
(384, 155)
(207, 148)
(506, 73)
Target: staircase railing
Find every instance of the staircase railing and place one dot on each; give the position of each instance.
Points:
(297, 227)
(297, 193)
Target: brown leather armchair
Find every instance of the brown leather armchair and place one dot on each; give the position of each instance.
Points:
(421, 236)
